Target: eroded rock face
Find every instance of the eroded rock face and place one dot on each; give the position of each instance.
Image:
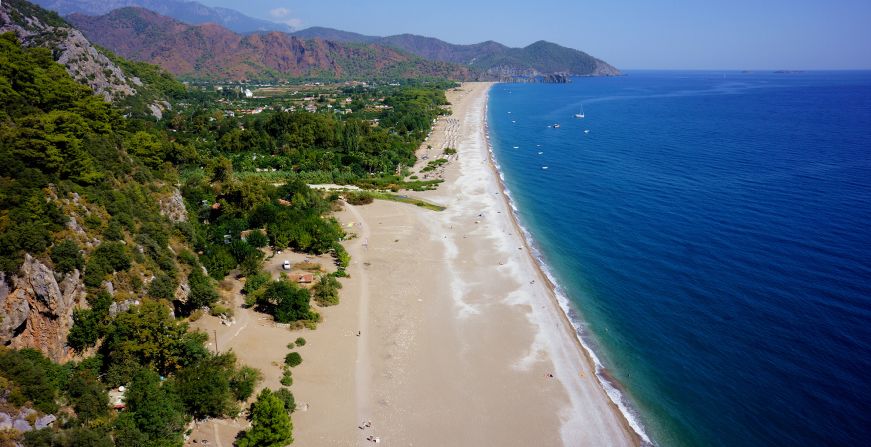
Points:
(173, 207)
(71, 49)
(38, 311)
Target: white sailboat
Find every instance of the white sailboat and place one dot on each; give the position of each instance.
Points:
(581, 113)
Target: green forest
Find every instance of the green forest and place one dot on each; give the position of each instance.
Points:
(81, 182)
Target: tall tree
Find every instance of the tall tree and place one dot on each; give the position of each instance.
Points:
(270, 423)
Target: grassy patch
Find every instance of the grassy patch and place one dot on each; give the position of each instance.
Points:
(307, 266)
(406, 199)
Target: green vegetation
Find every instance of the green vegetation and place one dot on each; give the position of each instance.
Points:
(292, 359)
(432, 165)
(270, 423)
(410, 200)
(286, 376)
(450, 151)
(283, 299)
(287, 397)
(359, 198)
(326, 291)
(80, 185)
(67, 256)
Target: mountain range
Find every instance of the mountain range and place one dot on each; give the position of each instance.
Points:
(213, 52)
(190, 12)
(196, 41)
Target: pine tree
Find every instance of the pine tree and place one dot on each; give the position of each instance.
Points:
(270, 423)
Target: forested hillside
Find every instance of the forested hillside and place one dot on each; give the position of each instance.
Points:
(116, 226)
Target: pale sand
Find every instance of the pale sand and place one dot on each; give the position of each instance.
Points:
(456, 345)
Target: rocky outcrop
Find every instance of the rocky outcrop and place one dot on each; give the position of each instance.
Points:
(37, 310)
(70, 48)
(21, 421)
(172, 206)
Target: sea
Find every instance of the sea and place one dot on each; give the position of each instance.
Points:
(710, 235)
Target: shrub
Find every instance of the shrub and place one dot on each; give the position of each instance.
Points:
(255, 282)
(202, 290)
(359, 198)
(243, 382)
(257, 239)
(285, 301)
(326, 291)
(188, 258)
(219, 309)
(163, 286)
(67, 256)
(286, 377)
(287, 397)
(292, 359)
(300, 341)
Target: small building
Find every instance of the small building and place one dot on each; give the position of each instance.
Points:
(116, 398)
(302, 278)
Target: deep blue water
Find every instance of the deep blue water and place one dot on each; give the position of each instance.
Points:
(714, 234)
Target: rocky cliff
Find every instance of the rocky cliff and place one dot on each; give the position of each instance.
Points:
(38, 28)
(37, 310)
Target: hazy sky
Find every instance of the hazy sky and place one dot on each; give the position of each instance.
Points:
(699, 34)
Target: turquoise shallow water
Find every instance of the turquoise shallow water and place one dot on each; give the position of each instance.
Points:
(712, 230)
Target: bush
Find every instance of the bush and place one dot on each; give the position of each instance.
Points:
(287, 397)
(85, 331)
(292, 359)
(188, 258)
(67, 256)
(202, 290)
(359, 198)
(109, 257)
(88, 397)
(343, 259)
(219, 309)
(285, 301)
(300, 341)
(255, 282)
(257, 239)
(326, 291)
(243, 382)
(163, 287)
(286, 377)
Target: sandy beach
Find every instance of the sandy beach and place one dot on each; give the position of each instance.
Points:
(461, 341)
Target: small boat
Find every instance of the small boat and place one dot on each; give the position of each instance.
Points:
(586, 130)
(516, 147)
(544, 167)
(540, 153)
(581, 113)
(556, 126)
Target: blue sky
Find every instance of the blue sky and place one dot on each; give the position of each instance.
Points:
(659, 34)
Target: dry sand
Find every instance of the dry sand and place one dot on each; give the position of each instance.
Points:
(461, 341)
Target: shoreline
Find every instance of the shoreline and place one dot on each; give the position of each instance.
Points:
(440, 337)
(560, 301)
(569, 356)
